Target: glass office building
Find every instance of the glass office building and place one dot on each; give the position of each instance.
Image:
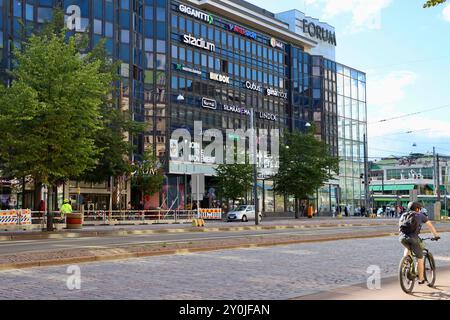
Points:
(352, 124)
(209, 60)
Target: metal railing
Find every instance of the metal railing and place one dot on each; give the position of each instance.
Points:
(121, 216)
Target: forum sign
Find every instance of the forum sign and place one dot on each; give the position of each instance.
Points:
(318, 32)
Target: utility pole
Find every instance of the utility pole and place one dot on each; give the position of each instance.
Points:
(255, 169)
(366, 174)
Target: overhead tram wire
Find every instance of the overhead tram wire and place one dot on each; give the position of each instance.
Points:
(409, 114)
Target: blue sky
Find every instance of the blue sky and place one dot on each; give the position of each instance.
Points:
(405, 51)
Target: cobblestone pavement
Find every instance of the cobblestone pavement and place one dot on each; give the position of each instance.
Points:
(274, 273)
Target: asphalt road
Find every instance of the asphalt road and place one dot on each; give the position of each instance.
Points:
(9, 247)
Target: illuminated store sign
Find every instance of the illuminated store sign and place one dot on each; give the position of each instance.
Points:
(196, 13)
(199, 43)
(267, 116)
(276, 44)
(236, 109)
(241, 31)
(318, 32)
(180, 67)
(276, 93)
(253, 86)
(209, 103)
(219, 77)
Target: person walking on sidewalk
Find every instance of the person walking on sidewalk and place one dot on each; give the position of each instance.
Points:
(65, 209)
(410, 225)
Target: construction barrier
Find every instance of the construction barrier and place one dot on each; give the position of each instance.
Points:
(198, 223)
(15, 217)
(210, 214)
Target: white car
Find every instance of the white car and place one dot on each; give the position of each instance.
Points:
(242, 213)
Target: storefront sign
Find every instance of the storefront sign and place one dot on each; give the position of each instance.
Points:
(319, 32)
(196, 13)
(276, 93)
(276, 44)
(209, 103)
(199, 43)
(219, 77)
(239, 30)
(180, 67)
(267, 116)
(236, 109)
(253, 86)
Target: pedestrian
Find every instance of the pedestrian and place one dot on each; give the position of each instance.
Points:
(65, 209)
(346, 210)
(363, 211)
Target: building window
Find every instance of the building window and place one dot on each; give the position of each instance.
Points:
(161, 46)
(125, 4)
(160, 14)
(44, 15)
(29, 12)
(161, 61)
(97, 26)
(125, 36)
(108, 29)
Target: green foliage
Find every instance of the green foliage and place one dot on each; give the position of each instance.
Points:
(433, 3)
(304, 166)
(147, 176)
(50, 115)
(234, 181)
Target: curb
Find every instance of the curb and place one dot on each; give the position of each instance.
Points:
(121, 256)
(180, 230)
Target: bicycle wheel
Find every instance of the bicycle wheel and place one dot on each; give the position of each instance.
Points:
(407, 279)
(430, 269)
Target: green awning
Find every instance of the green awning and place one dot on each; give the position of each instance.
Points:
(393, 187)
(431, 186)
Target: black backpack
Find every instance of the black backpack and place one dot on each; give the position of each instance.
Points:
(408, 222)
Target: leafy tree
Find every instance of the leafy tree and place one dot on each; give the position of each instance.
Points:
(433, 3)
(234, 181)
(305, 165)
(50, 115)
(147, 177)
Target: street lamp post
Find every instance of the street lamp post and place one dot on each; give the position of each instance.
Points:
(255, 169)
(180, 98)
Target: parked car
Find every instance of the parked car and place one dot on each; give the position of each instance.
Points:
(242, 213)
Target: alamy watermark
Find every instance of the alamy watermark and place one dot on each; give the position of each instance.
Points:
(374, 279)
(73, 282)
(229, 146)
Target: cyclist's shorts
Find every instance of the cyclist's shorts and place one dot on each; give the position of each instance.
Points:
(414, 245)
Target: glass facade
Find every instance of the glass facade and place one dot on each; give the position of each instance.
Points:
(352, 124)
(166, 51)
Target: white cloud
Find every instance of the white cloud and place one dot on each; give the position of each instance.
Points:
(385, 96)
(366, 14)
(446, 13)
(385, 92)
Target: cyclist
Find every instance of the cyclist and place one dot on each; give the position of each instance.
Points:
(409, 236)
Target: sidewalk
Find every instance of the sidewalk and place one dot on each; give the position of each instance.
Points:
(390, 290)
(210, 226)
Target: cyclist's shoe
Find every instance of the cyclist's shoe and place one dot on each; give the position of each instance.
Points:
(421, 282)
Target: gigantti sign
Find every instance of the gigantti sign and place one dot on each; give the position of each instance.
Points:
(196, 13)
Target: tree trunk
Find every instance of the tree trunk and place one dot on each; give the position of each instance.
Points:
(49, 213)
(296, 208)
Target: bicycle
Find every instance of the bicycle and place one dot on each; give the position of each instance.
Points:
(407, 268)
